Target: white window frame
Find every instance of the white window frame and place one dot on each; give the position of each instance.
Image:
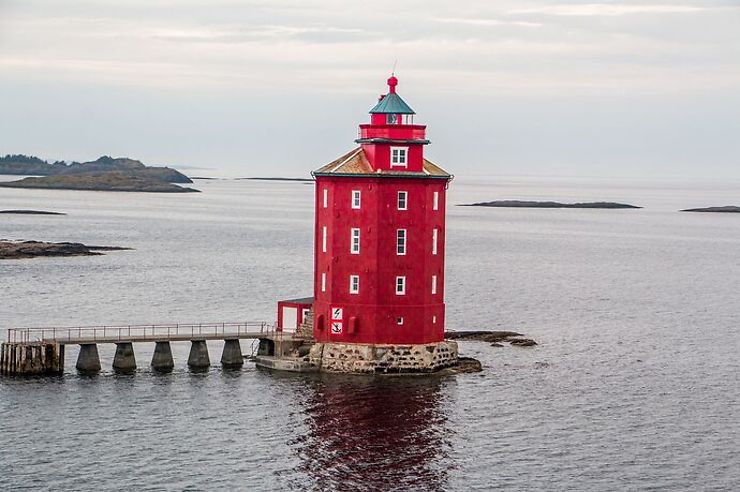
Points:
(435, 234)
(354, 284)
(434, 284)
(435, 201)
(401, 240)
(402, 152)
(323, 239)
(400, 285)
(354, 244)
(326, 197)
(405, 195)
(323, 281)
(434, 319)
(356, 199)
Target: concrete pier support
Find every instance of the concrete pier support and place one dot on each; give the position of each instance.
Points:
(232, 354)
(162, 359)
(124, 361)
(28, 359)
(88, 360)
(198, 358)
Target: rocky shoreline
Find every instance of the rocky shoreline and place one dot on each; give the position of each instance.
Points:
(14, 250)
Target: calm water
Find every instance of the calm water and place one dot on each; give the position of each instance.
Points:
(634, 386)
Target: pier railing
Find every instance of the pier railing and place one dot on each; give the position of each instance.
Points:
(134, 333)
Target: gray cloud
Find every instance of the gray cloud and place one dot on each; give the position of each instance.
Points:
(509, 57)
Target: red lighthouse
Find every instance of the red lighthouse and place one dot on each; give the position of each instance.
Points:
(380, 235)
(378, 303)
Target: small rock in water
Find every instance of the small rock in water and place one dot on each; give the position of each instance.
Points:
(496, 345)
(523, 342)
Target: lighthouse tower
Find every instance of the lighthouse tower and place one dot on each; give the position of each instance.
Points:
(379, 249)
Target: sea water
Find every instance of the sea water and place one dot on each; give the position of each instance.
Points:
(634, 384)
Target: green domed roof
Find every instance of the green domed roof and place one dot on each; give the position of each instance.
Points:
(392, 104)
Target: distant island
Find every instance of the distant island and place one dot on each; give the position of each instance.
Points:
(13, 250)
(729, 209)
(104, 174)
(31, 212)
(533, 204)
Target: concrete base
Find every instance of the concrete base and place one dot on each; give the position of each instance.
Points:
(366, 359)
(232, 354)
(18, 359)
(291, 364)
(162, 358)
(198, 358)
(88, 360)
(124, 362)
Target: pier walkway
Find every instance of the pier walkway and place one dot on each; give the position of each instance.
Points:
(41, 350)
(180, 332)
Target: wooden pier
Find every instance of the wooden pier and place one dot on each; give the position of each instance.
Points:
(31, 351)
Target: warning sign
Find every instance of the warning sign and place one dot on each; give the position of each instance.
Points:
(336, 327)
(337, 314)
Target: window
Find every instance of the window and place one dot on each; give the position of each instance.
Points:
(434, 241)
(400, 286)
(399, 320)
(408, 119)
(391, 119)
(355, 198)
(434, 320)
(401, 242)
(354, 284)
(355, 246)
(434, 284)
(403, 200)
(323, 239)
(398, 156)
(326, 197)
(323, 282)
(435, 201)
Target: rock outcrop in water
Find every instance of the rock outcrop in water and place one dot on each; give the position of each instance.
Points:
(493, 337)
(99, 181)
(12, 250)
(33, 166)
(534, 204)
(729, 209)
(104, 174)
(30, 212)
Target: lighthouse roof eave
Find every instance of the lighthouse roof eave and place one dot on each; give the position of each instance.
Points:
(355, 163)
(392, 104)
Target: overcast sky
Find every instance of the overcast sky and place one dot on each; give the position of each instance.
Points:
(258, 88)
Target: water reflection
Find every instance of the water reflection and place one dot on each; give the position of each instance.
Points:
(373, 434)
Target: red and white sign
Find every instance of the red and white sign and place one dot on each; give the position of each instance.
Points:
(337, 320)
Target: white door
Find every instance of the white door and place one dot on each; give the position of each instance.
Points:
(290, 318)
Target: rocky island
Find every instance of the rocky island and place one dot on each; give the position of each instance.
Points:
(13, 250)
(31, 212)
(729, 209)
(104, 174)
(548, 204)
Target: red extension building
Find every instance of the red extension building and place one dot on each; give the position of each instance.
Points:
(380, 235)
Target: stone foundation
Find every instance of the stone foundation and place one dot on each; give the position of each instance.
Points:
(359, 358)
